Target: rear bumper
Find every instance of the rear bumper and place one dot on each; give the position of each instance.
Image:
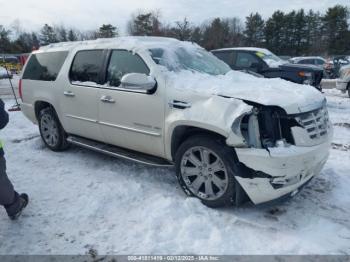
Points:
(342, 86)
(281, 171)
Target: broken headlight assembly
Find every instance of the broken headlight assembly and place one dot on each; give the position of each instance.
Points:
(265, 126)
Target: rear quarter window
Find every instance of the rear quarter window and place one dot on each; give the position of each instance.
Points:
(44, 66)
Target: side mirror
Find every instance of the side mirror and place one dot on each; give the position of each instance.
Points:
(139, 82)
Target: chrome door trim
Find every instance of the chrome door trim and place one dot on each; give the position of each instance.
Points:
(131, 129)
(82, 118)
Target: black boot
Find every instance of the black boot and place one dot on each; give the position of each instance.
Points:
(15, 209)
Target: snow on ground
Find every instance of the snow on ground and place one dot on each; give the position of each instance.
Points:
(83, 201)
(4, 83)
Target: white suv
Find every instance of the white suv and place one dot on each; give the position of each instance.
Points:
(231, 136)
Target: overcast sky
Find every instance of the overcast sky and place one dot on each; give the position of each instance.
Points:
(89, 14)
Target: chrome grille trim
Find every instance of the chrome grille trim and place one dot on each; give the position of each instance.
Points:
(316, 123)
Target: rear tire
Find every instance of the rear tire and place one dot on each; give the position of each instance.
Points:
(205, 168)
(51, 130)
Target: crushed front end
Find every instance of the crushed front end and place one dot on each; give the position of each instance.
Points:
(281, 151)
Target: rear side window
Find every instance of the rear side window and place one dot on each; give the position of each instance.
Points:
(307, 62)
(123, 62)
(44, 66)
(87, 66)
(319, 62)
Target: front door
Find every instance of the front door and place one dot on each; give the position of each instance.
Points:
(130, 118)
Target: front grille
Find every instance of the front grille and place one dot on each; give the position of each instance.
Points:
(316, 123)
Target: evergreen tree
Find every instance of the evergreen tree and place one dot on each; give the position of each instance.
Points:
(300, 33)
(35, 41)
(72, 36)
(107, 31)
(314, 41)
(48, 35)
(24, 43)
(235, 32)
(5, 44)
(146, 24)
(62, 34)
(254, 30)
(275, 32)
(216, 34)
(336, 29)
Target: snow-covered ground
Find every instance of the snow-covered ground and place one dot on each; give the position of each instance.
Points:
(83, 201)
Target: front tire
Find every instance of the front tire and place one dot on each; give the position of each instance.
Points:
(51, 130)
(205, 168)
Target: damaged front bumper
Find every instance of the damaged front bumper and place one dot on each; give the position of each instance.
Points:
(279, 171)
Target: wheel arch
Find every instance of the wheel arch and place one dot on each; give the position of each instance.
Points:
(40, 105)
(182, 132)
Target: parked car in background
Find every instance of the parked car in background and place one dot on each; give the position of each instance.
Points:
(343, 82)
(285, 57)
(5, 73)
(231, 136)
(264, 62)
(309, 60)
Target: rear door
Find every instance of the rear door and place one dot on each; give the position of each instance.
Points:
(129, 118)
(80, 95)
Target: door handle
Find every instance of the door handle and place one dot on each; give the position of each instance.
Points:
(179, 104)
(107, 99)
(68, 93)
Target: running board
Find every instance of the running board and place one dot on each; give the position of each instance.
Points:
(119, 152)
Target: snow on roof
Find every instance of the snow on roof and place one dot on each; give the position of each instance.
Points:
(254, 49)
(130, 42)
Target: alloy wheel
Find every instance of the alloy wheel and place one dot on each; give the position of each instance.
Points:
(49, 130)
(204, 173)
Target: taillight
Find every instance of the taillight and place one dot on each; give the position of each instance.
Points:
(20, 89)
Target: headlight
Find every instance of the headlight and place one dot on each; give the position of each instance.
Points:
(305, 74)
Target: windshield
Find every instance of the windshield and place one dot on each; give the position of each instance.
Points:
(193, 59)
(271, 59)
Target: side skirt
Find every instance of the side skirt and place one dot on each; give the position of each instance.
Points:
(119, 152)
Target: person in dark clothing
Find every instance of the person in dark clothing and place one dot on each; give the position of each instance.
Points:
(13, 202)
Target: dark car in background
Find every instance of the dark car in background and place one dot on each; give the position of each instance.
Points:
(265, 63)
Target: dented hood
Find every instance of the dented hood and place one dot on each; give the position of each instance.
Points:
(293, 98)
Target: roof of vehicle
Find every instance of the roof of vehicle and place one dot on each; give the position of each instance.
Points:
(253, 49)
(129, 42)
